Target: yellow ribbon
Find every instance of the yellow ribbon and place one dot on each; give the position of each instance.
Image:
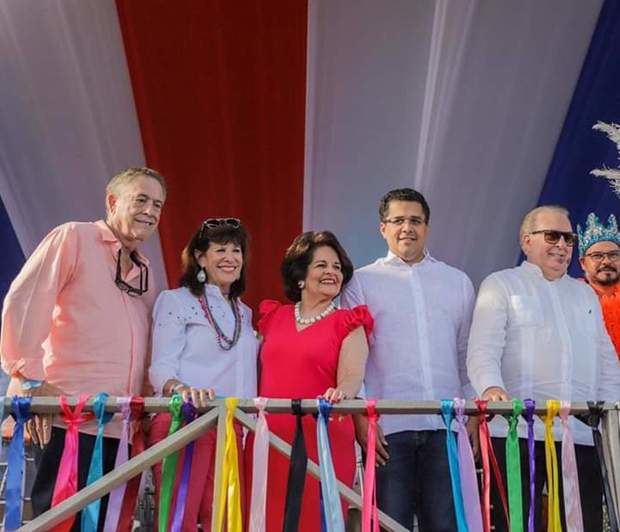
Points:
(229, 489)
(554, 523)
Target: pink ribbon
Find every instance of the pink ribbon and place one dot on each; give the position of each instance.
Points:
(370, 514)
(570, 478)
(467, 471)
(67, 479)
(260, 466)
(116, 497)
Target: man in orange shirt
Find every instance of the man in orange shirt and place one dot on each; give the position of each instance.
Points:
(76, 319)
(599, 252)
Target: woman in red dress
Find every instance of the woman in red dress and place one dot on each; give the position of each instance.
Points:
(311, 349)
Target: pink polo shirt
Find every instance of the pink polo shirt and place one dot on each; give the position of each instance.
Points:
(65, 321)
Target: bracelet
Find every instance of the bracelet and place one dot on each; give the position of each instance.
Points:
(177, 387)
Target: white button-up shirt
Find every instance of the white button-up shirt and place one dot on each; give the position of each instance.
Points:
(185, 344)
(422, 314)
(542, 340)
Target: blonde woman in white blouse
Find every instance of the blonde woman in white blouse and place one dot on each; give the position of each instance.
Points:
(204, 344)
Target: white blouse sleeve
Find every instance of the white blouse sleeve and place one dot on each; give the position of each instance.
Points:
(168, 339)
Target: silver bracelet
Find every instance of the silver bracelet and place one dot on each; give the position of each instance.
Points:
(177, 387)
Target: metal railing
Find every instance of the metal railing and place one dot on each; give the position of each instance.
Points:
(215, 413)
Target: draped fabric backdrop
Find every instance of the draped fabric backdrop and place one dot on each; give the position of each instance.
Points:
(461, 100)
(580, 149)
(220, 92)
(295, 113)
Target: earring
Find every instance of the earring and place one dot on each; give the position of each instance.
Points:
(301, 284)
(201, 276)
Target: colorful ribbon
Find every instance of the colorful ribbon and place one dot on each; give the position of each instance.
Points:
(489, 462)
(467, 470)
(370, 512)
(125, 522)
(593, 420)
(530, 406)
(554, 522)
(15, 467)
(260, 455)
(170, 464)
(513, 468)
(115, 501)
(90, 514)
(447, 413)
(334, 520)
(296, 472)
(229, 488)
(67, 478)
(570, 477)
(189, 414)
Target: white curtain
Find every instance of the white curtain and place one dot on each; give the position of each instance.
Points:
(67, 115)
(463, 100)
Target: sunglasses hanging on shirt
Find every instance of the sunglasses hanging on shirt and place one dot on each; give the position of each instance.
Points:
(144, 276)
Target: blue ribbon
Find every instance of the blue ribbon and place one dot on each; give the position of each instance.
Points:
(90, 514)
(15, 468)
(447, 413)
(334, 521)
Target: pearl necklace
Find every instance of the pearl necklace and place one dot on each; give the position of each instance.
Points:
(309, 321)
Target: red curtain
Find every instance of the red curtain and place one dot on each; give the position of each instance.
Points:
(220, 89)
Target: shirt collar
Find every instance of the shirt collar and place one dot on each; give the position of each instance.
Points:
(533, 269)
(212, 290)
(109, 237)
(393, 259)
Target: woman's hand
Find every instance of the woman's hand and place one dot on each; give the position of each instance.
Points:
(334, 395)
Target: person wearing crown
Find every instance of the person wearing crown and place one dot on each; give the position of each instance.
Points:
(599, 256)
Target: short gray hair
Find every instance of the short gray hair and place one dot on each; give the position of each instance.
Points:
(529, 220)
(129, 174)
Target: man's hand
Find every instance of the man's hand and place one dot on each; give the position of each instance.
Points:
(39, 426)
(360, 422)
(495, 393)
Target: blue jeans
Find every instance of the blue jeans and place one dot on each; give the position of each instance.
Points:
(416, 481)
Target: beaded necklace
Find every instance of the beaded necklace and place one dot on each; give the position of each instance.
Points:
(223, 341)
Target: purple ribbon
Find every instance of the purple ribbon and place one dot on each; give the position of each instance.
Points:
(188, 410)
(467, 470)
(530, 405)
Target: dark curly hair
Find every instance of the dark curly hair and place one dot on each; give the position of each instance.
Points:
(299, 255)
(222, 234)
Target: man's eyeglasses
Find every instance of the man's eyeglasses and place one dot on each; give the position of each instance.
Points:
(144, 276)
(400, 221)
(598, 256)
(553, 237)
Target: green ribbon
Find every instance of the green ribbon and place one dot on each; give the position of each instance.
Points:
(513, 468)
(170, 464)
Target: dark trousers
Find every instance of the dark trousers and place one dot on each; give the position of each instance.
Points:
(590, 485)
(416, 481)
(43, 487)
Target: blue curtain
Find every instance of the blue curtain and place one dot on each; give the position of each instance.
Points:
(579, 148)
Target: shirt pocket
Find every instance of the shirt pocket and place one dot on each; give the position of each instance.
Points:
(526, 311)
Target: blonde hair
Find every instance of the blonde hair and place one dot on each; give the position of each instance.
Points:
(529, 220)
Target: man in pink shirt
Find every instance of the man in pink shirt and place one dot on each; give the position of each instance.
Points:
(76, 319)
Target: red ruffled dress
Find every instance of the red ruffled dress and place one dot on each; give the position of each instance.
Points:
(303, 364)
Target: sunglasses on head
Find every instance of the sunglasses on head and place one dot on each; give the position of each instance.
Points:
(212, 223)
(144, 276)
(553, 237)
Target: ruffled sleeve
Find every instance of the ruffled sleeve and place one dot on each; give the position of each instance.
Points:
(266, 311)
(354, 318)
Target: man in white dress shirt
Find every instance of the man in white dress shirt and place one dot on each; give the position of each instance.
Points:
(422, 310)
(538, 333)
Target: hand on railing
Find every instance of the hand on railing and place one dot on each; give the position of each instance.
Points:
(199, 396)
(360, 422)
(495, 393)
(334, 395)
(39, 426)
